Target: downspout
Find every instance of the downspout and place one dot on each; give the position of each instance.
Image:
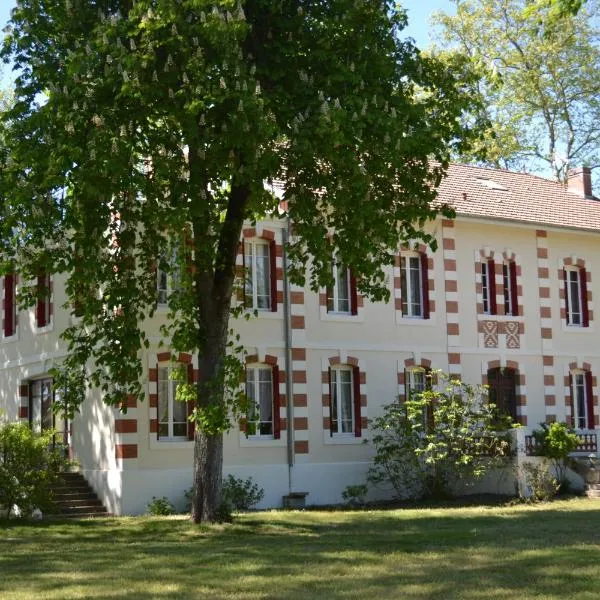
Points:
(287, 326)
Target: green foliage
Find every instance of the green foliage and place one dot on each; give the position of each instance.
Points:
(159, 125)
(355, 494)
(555, 442)
(241, 494)
(541, 484)
(158, 507)
(538, 61)
(29, 465)
(418, 456)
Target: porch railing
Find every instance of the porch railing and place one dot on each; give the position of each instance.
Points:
(588, 442)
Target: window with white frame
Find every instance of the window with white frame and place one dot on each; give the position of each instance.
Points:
(580, 399)
(257, 262)
(341, 386)
(509, 279)
(416, 381)
(411, 285)
(172, 414)
(488, 287)
(259, 391)
(167, 278)
(339, 295)
(574, 297)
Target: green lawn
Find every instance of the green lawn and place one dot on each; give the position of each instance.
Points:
(545, 551)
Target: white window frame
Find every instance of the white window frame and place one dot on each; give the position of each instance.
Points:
(254, 404)
(411, 299)
(485, 286)
(411, 384)
(46, 302)
(572, 315)
(337, 298)
(167, 281)
(579, 395)
(251, 284)
(509, 309)
(337, 403)
(171, 403)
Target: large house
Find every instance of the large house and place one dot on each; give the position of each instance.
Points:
(507, 299)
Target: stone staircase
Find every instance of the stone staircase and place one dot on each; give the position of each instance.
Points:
(75, 499)
(592, 490)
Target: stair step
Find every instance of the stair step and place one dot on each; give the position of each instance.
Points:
(74, 498)
(80, 502)
(85, 508)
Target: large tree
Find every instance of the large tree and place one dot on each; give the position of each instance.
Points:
(539, 81)
(147, 128)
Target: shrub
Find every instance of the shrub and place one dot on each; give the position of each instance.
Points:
(29, 465)
(424, 445)
(542, 485)
(555, 442)
(355, 494)
(241, 494)
(158, 507)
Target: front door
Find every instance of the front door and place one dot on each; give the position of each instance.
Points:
(41, 414)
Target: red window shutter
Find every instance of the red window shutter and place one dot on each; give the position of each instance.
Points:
(356, 384)
(330, 403)
(273, 268)
(276, 404)
(425, 285)
(492, 286)
(191, 427)
(157, 406)
(589, 397)
(9, 305)
(514, 299)
(566, 296)
(571, 400)
(585, 313)
(41, 313)
(353, 293)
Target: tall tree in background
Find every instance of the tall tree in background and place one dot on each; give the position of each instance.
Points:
(540, 81)
(143, 129)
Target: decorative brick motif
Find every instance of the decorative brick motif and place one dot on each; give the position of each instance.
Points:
(511, 329)
(490, 333)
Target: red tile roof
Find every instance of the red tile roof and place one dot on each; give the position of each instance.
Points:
(499, 194)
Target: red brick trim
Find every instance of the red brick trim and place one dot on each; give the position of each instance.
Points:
(126, 451)
(125, 425)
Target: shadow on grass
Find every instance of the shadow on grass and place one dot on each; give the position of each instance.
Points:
(519, 552)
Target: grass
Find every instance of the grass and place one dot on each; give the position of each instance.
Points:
(544, 552)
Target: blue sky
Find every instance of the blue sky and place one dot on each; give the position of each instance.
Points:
(418, 15)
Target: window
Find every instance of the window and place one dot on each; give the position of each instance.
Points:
(582, 401)
(488, 286)
(344, 401)
(42, 311)
(414, 288)
(260, 286)
(509, 279)
(341, 297)
(576, 297)
(10, 305)
(173, 423)
(418, 380)
(502, 390)
(167, 278)
(262, 390)
(42, 417)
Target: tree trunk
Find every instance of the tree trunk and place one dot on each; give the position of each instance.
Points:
(208, 475)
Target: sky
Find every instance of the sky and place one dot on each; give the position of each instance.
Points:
(418, 27)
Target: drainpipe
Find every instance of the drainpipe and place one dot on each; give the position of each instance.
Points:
(287, 326)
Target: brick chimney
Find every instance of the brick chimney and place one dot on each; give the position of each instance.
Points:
(579, 181)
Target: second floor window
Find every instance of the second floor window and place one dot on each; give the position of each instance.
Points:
(509, 279)
(488, 287)
(258, 261)
(414, 286)
(576, 297)
(342, 296)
